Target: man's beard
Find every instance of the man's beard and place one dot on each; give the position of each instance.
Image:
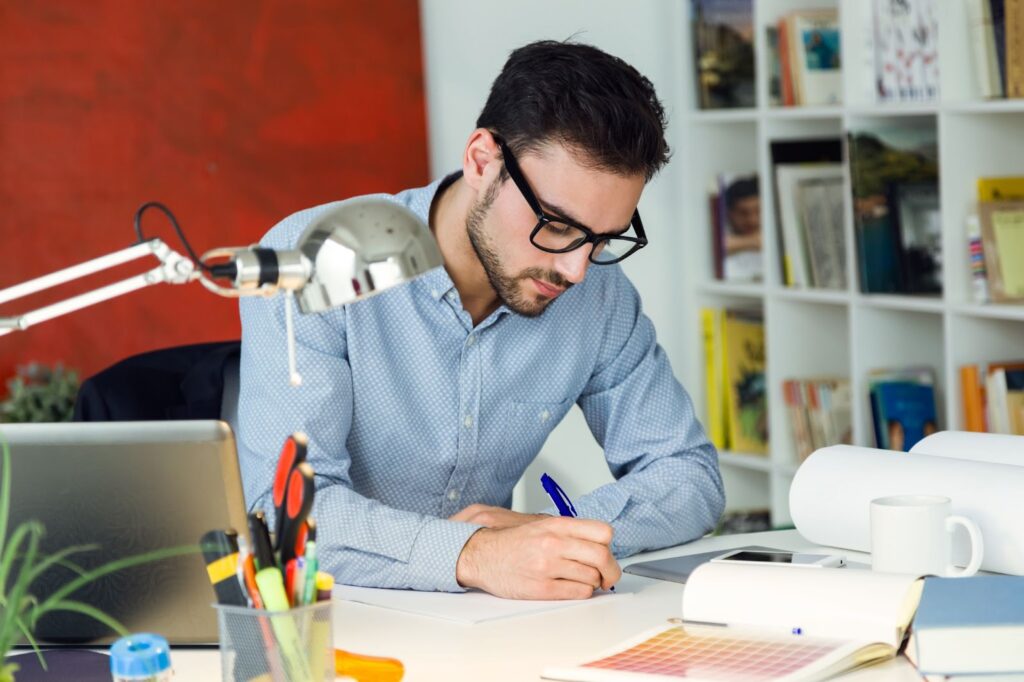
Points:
(506, 286)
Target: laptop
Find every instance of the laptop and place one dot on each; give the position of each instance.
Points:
(128, 488)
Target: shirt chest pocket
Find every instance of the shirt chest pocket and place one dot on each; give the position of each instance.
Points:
(527, 426)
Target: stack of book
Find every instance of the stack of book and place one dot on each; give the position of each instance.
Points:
(724, 53)
(735, 210)
(804, 59)
(997, 43)
(993, 402)
(902, 406)
(969, 626)
(996, 240)
(894, 173)
(820, 413)
(734, 353)
(808, 185)
(903, 39)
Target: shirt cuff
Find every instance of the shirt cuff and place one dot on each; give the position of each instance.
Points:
(435, 555)
(604, 504)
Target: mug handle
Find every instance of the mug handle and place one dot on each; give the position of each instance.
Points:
(977, 546)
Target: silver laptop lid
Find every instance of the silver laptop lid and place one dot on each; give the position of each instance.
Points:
(128, 487)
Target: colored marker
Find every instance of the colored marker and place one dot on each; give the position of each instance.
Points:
(312, 563)
(292, 652)
(220, 551)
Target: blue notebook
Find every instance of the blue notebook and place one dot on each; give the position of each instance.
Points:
(969, 626)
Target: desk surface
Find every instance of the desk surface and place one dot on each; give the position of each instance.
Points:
(519, 648)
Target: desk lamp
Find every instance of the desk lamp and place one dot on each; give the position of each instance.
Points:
(357, 248)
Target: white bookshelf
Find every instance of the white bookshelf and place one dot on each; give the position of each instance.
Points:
(826, 332)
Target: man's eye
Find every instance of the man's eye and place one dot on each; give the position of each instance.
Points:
(560, 229)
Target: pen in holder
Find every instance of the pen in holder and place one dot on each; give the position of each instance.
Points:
(290, 646)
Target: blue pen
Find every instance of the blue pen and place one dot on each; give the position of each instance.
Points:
(561, 500)
(558, 496)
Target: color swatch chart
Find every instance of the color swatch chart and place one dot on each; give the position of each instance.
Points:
(708, 653)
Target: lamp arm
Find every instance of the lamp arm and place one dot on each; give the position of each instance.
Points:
(173, 269)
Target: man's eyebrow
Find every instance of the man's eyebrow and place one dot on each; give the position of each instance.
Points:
(558, 211)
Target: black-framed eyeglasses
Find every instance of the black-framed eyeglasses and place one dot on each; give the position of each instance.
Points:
(556, 234)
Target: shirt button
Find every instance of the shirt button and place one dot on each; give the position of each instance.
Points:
(544, 415)
(434, 293)
(467, 422)
(453, 495)
(470, 340)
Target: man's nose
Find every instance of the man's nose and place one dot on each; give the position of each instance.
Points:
(573, 265)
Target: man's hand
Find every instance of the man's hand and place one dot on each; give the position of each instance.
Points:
(555, 558)
(495, 517)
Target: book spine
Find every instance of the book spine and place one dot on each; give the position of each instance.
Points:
(986, 64)
(711, 322)
(1014, 48)
(997, 8)
(785, 66)
(970, 393)
(976, 254)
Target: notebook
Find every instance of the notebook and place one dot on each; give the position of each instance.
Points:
(969, 626)
(750, 623)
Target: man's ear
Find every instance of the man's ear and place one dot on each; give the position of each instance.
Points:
(481, 161)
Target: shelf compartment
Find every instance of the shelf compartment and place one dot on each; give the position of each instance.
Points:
(745, 461)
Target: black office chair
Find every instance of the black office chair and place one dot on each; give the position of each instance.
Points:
(184, 382)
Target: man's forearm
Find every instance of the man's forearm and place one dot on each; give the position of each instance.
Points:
(363, 542)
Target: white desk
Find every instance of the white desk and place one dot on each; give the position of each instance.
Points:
(519, 648)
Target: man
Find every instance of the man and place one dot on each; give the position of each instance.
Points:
(425, 404)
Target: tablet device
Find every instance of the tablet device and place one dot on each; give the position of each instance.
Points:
(127, 488)
(677, 569)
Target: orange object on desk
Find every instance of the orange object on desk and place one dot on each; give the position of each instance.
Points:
(367, 668)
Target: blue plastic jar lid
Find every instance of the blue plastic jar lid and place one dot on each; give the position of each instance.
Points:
(140, 655)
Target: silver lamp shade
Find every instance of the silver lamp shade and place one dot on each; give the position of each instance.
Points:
(362, 246)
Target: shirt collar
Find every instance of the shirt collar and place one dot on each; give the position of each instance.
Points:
(437, 283)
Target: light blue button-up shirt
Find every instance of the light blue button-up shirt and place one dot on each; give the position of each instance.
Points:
(413, 414)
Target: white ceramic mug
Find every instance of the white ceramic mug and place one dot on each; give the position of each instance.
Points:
(914, 534)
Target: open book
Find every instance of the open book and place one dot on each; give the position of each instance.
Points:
(747, 623)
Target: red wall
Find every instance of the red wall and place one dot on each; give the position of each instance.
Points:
(234, 113)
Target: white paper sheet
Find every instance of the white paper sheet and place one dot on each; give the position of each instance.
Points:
(831, 494)
(460, 607)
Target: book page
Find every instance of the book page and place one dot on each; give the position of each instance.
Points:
(468, 607)
(702, 652)
(842, 603)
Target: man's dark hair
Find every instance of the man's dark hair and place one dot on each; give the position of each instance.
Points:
(740, 189)
(576, 95)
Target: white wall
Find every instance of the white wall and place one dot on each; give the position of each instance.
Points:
(466, 42)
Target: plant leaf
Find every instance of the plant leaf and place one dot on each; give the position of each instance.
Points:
(58, 558)
(105, 569)
(5, 491)
(32, 640)
(10, 551)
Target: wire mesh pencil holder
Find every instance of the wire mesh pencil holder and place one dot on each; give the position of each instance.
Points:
(287, 646)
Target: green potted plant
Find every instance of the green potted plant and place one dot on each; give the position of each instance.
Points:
(40, 393)
(22, 562)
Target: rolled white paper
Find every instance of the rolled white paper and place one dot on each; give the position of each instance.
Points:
(832, 490)
(981, 447)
